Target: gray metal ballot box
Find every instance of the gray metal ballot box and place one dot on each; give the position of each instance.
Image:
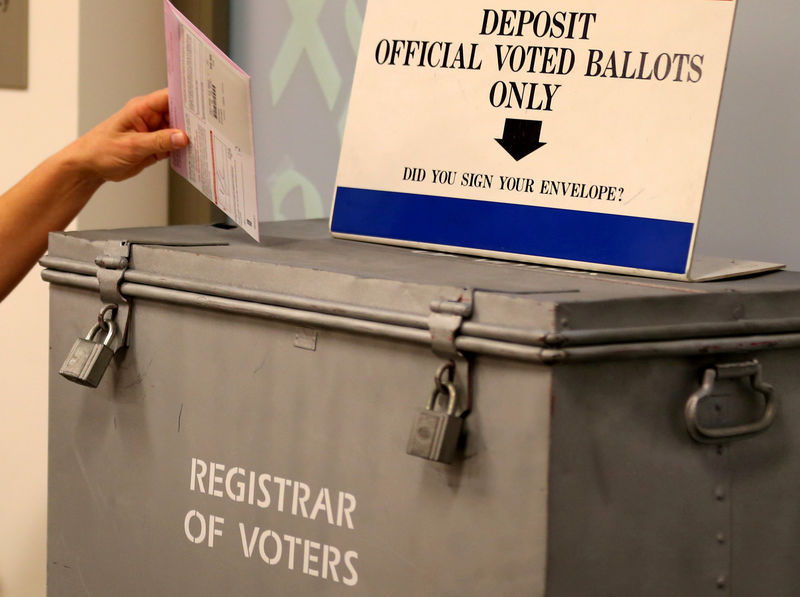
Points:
(621, 436)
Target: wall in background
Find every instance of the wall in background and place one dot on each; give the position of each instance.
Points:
(87, 57)
(301, 55)
(35, 123)
(752, 207)
(121, 55)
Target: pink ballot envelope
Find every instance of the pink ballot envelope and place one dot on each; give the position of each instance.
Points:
(210, 98)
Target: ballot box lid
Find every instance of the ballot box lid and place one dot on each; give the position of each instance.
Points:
(299, 266)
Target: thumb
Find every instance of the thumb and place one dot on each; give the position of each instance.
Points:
(162, 141)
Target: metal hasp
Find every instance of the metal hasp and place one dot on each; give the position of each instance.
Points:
(435, 434)
(88, 360)
(111, 268)
(709, 435)
(445, 322)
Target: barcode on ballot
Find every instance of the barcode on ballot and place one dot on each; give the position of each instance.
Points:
(212, 100)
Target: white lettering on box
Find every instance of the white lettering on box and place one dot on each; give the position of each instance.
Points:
(300, 497)
(281, 491)
(236, 495)
(191, 516)
(197, 530)
(262, 485)
(291, 542)
(346, 511)
(215, 479)
(323, 503)
(248, 545)
(278, 549)
(351, 580)
(310, 557)
(239, 485)
(199, 472)
(330, 559)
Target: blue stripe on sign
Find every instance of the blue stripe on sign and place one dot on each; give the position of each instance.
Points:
(624, 241)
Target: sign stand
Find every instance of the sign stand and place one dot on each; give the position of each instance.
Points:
(572, 136)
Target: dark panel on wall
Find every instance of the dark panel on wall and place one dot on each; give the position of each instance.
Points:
(187, 205)
(14, 44)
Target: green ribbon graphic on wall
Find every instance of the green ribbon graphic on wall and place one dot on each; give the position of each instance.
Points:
(305, 36)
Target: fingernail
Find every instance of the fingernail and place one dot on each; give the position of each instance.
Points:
(179, 140)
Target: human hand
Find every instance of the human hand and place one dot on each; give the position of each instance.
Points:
(126, 143)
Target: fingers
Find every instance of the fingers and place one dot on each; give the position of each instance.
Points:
(158, 101)
(128, 154)
(178, 139)
(161, 142)
(146, 113)
(130, 140)
(140, 125)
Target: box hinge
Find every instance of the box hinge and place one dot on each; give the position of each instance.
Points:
(111, 267)
(436, 433)
(444, 322)
(89, 358)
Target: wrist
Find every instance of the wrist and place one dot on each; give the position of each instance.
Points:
(74, 165)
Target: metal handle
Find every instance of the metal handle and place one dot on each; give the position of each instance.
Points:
(707, 435)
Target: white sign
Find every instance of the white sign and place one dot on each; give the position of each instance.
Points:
(573, 133)
(209, 98)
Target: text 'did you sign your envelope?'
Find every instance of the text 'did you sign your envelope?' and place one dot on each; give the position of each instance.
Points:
(574, 133)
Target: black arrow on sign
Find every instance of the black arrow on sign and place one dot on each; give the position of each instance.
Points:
(521, 137)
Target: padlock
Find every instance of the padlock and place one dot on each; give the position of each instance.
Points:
(435, 433)
(88, 360)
